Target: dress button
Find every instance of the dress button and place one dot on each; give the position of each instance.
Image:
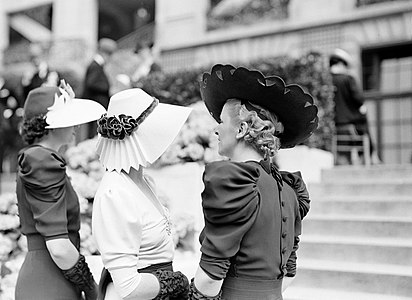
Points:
(283, 203)
(284, 234)
(284, 219)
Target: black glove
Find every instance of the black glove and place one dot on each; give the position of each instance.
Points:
(195, 294)
(173, 285)
(81, 276)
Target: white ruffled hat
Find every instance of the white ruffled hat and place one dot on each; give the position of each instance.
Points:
(137, 130)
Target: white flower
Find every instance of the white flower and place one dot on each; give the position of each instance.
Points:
(6, 247)
(193, 151)
(7, 201)
(22, 243)
(9, 222)
(84, 204)
(87, 243)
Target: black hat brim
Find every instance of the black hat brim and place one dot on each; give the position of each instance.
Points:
(291, 104)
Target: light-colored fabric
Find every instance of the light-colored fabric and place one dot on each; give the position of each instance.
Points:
(66, 113)
(149, 140)
(69, 111)
(111, 293)
(130, 230)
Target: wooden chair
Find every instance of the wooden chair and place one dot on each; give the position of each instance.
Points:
(347, 140)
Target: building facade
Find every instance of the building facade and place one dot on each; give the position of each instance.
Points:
(378, 35)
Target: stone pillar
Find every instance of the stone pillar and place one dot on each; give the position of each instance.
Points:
(180, 22)
(75, 27)
(4, 32)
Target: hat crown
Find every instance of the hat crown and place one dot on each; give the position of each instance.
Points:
(131, 102)
(39, 100)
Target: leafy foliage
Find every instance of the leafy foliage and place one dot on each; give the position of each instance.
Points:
(309, 71)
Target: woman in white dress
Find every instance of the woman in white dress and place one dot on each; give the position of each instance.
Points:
(130, 225)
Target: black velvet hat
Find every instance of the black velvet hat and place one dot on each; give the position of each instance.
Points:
(291, 104)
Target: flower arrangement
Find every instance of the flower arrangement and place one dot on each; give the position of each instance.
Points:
(12, 245)
(183, 228)
(84, 168)
(196, 141)
(310, 71)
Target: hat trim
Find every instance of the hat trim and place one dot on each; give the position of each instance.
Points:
(118, 128)
(145, 145)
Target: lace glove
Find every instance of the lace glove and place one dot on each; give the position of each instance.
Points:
(81, 276)
(195, 294)
(173, 285)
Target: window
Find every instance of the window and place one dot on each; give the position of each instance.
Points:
(387, 80)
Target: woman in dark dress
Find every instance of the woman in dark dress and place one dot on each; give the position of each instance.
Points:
(252, 212)
(48, 206)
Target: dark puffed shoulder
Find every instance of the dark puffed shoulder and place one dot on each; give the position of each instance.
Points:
(39, 166)
(230, 203)
(42, 173)
(295, 181)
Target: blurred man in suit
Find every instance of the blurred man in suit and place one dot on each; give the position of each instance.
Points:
(40, 74)
(96, 82)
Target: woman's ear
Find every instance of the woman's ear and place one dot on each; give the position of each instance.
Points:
(242, 130)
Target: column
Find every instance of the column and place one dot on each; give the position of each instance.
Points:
(75, 28)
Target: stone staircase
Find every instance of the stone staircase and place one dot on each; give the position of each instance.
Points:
(356, 242)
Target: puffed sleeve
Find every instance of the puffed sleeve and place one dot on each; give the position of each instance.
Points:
(116, 224)
(230, 203)
(298, 185)
(43, 174)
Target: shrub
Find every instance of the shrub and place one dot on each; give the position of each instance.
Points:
(309, 71)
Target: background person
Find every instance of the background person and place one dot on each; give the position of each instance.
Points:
(252, 219)
(48, 206)
(350, 109)
(40, 74)
(96, 83)
(131, 227)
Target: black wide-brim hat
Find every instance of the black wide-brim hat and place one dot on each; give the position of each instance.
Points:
(290, 103)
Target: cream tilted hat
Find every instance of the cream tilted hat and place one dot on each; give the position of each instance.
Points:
(154, 127)
(60, 108)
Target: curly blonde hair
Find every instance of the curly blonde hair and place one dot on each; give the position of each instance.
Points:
(261, 133)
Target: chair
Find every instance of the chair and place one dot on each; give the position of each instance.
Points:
(348, 141)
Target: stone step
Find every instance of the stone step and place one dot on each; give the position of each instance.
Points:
(399, 187)
(375, 172)
(361, 226)
(356, 249)
(362, 206)
(299, 293)
(356, 277)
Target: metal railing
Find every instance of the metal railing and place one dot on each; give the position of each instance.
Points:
(397, 119)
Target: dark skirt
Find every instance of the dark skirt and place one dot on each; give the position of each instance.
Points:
(105, 278)
(235, 288)
(40, 279)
